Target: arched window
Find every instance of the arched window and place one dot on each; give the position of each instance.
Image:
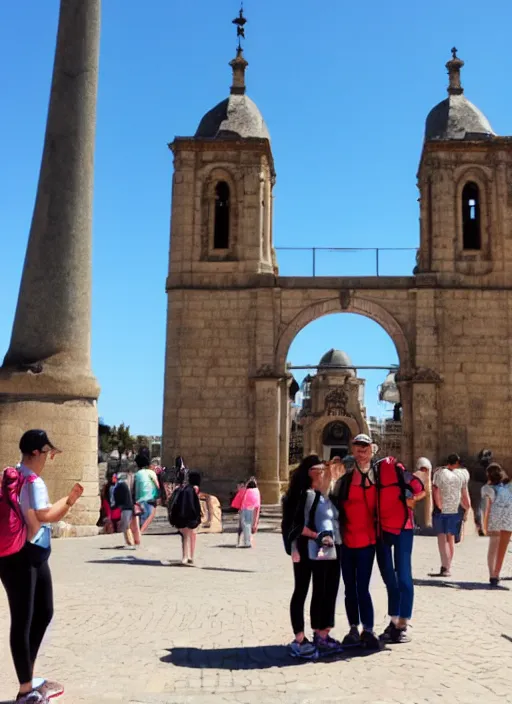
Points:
(221, 225)
(471, 232)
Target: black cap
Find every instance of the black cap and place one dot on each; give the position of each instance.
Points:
(34, 440)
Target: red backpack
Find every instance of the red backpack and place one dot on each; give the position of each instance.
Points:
(393, 487)
(13, 531)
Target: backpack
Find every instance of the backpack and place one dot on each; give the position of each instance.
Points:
(183, 508)
(393, 489)
(13, 531)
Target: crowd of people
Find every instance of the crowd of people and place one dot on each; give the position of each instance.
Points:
(338, 518)
(342, 515)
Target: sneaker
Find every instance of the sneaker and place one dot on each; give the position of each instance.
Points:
(369, 641)
(306, 649)
(327, 646)
(400, 636)
(352, 639)
(388, 633)
(50, 689)
(33, 697)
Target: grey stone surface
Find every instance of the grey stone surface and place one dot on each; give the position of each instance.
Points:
(136, 627)
(52, 323)
(236, 116)
(457, 118)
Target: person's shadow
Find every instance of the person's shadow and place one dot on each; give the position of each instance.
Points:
(258, 657)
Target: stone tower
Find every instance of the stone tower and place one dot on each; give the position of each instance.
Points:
(46, 379)
(220, 269)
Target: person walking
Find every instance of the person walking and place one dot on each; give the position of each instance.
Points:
(398, 493)
(450, 490)
(185, 514)
(296, 545)
(497, 519)
(26, 575)
(248, 503)
(146, 490)
(123, 500)
(356, 494)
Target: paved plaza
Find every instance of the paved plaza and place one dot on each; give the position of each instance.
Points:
(138, 627)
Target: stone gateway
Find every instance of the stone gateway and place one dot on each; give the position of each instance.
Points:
(232, 318)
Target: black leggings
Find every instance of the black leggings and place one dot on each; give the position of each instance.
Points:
(326, 581)
(302, 576)
(28, 582)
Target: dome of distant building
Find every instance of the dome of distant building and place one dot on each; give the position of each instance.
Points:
(456, 117)
(336, 358)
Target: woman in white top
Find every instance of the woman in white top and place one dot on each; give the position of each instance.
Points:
(497, 495)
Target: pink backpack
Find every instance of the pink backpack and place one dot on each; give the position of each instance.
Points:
(13, 531)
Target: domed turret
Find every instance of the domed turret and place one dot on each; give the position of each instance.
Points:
(237, 116)
(336, 358)
(456, 117)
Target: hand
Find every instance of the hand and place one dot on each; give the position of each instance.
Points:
(295, 556)
(75, 493)
(411, 503)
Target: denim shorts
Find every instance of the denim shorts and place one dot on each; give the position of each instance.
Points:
(446, 523)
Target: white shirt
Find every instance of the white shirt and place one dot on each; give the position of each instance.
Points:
(450, 483)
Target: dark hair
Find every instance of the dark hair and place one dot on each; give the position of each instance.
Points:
(194, 479)
(179, 462)
(252, 483)
(300, 480)
(453, 458)
(496, 474)
(142, 460)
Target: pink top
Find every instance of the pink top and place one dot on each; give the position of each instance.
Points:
(251, 498)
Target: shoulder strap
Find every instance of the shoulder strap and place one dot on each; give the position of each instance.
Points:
(312, 511)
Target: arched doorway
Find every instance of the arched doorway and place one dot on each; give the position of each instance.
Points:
(394, 331)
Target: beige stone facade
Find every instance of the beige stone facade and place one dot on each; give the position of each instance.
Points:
(232, 318)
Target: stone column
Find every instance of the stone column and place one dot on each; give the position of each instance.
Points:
(284, 435)
(266, 446)
(46, 379)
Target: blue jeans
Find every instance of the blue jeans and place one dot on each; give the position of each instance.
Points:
(245, 526)
(356, 568)
(394, 560)
(147, 510)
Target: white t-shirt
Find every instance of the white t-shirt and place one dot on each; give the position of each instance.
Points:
(34, 495)
(450, 483)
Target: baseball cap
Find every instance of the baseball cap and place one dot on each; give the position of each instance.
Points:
(34, 440)
(362, 439)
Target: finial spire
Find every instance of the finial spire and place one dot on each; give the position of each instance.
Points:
(454, 66)
(239, 64)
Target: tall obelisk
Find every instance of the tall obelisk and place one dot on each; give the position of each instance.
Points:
(46, 379)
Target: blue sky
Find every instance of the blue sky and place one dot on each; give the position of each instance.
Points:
(344, 88)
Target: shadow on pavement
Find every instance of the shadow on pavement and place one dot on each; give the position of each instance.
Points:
(256, 657)
(450, 584)
(503, 635)
(131, 560)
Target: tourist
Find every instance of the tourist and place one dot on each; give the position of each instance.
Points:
(395, 541)
(26, 575)
(292, 525)
(497, 519)
(248, 503)
(123, 500)
(357, 500)
(185, 513)
(450, 490)
(321, 528)
(110, 515)
(146, 489)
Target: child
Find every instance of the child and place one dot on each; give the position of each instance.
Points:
(497, 521)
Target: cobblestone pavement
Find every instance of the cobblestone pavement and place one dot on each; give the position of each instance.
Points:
(138, 627)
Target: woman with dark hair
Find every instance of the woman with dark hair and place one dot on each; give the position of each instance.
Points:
(185, 514)
(497, 522)
(296, 545)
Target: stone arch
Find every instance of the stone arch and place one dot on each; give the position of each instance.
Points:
(316, 428)
(355, 304)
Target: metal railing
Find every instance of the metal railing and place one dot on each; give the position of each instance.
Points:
(347, 250)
